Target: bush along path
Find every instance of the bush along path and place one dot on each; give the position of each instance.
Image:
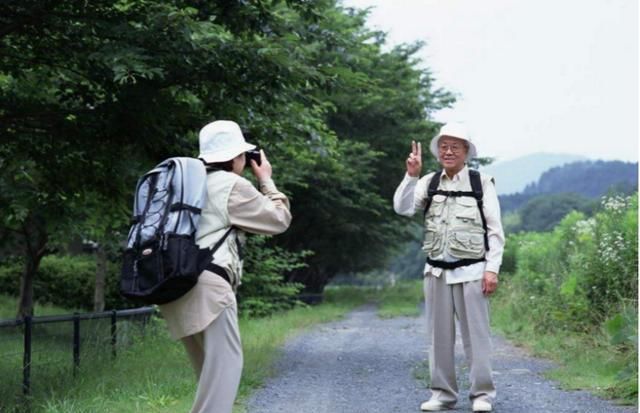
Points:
(365, 364)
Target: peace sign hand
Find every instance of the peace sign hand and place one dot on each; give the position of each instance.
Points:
(414, 161)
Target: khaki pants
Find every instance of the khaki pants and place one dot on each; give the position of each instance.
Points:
(216, 355)
(466, 302)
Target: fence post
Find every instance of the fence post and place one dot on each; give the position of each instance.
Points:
(26, 360)
(76, 343)
(114, 337)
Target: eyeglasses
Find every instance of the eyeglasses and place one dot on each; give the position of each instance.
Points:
(454, 148)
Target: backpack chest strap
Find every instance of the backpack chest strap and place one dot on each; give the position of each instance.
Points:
(455, 193)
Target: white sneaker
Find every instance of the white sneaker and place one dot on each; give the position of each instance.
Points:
(435, 406)
(481, 406)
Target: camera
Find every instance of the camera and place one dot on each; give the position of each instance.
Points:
(255, 155)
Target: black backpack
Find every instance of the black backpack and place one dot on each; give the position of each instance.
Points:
(162, 261)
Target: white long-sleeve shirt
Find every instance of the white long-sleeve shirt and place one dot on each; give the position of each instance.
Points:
(411, 195)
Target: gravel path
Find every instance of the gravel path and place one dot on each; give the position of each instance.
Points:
(364, 364)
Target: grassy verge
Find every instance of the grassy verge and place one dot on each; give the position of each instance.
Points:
(152, 374)
(403, 299)
(585, 361)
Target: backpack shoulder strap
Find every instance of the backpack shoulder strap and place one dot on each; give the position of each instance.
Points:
(221, 240)
(478, 194)
(206, 255)
(432, 189)
(476, 184)
(434, 183)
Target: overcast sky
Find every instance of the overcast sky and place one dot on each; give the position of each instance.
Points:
(529, 76)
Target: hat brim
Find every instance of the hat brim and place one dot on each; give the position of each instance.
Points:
(226, 155)
(433, 147)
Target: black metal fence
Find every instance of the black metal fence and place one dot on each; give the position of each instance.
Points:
(22, 330)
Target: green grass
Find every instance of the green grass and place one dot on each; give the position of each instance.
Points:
(585, 361)
(9, 307)
(403, 299)
(151, 374)
(421, 373)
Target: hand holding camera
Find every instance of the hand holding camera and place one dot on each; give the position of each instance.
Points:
(255, 155)
(259, 164)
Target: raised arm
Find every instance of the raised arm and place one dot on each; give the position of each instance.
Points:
(414, 161)
(409, 195)
(260, 212)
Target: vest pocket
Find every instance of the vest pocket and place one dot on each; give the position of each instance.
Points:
(437, 205)
(466, 244)
(433, 242)
(466, 210)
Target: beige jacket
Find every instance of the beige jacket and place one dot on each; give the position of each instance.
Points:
(232, 201)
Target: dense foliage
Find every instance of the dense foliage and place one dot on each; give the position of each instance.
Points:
(585, 179)
(92, 94)
(544, 212)
(65, 281)
(582, 276)
(263, 291)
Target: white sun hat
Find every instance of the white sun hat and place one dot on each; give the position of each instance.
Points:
(453, 130)
(221, 141)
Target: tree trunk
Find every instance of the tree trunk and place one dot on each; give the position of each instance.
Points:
(25, 303)
(101, 275)
(313, 278)
(35, 241)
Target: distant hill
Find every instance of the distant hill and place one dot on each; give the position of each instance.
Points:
(514, 175)
(590, 179)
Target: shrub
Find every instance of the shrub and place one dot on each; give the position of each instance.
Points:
(66, 281)
(583, 277)
(583, 270)
(509, 255)
(69, 281)
(264, 289)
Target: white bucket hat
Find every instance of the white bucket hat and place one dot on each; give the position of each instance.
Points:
(221, 141)
(453, 130)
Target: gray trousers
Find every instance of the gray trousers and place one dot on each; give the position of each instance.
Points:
(216, 355)
(466, 302)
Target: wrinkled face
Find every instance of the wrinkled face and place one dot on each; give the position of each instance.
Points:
(239, 163)
(452, 153)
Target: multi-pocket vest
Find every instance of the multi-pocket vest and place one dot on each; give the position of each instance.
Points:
(455, 225)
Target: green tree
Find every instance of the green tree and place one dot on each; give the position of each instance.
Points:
(94, 93)
(380, 100)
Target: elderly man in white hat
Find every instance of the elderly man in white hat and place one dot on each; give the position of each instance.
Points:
(205, 318)
(463, 241)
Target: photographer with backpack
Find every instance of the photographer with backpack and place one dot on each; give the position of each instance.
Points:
(205, 318)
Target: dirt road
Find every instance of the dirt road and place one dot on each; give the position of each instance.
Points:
(364, 364)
